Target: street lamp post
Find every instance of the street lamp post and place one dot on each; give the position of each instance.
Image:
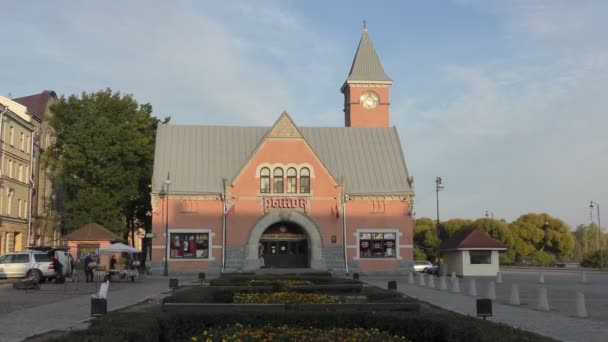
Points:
(492, 223)
(599, 225)
(438, 187)
(166, 268)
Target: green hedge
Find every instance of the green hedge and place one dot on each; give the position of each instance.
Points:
(314, 278)
(428, 325)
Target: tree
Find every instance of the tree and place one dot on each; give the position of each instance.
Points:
(425, 237)
(499, 230)
(452, 226)
(102, 158)
(541, 232)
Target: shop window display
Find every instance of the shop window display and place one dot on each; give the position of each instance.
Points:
(190, 245)
(377, 245)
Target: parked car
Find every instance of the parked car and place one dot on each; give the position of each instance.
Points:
(33, 263)
(421, 266)
(434, 270)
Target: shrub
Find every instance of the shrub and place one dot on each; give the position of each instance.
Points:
(542, 258)
(239, 332)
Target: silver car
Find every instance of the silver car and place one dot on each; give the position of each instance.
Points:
(421, 266)
(25, 264)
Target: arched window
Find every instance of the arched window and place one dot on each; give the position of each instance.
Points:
(292, 178)
(278, 180)
(305, 180)
(265, 180)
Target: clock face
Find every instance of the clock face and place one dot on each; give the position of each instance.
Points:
(369, 99)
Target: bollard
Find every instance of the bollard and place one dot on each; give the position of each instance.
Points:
(410, 278)
(514, 295)
(491, 291)
(356, 276)
(392, 285)
(581, 308)
(584, 278)
(201, 277)
(541, 278)
(173, 283)
(498, 278)
(472, 288)
(421, 279)
(453, 276)
(455, 285)
(431, 281)
(442, 284)
(543, 299)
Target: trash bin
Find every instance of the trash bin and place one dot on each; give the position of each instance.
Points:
(99, 306)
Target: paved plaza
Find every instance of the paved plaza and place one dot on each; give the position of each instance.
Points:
(61, 307)
(558, 323)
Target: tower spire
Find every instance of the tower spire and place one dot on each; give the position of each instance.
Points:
(364, 25)
(366, 64)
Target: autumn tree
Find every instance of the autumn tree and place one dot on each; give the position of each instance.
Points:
(102, 158)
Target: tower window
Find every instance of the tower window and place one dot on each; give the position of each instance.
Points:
(292, 179)
(278, 180)
(305, 180)
(265, 180)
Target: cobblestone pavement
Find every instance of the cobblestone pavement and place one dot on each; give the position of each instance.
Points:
(553, 324)
(52, 308)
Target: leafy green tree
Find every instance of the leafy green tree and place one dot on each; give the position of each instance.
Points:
(592, 259)
(102, 158)
(541, 232)
(452, 226)
(425, 237)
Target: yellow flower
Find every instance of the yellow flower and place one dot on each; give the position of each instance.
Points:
(194, 339)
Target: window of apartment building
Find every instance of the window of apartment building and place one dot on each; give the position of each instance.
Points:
(480, 257)
(9, 201)
(10, 137)
(265, 180)
(27, 143)
(20, 173)
(1, 200)
(10, 168)
(377, 244)
(25, 209)
(292, 179)
(22, 141)
(277, 178)
(19, 208)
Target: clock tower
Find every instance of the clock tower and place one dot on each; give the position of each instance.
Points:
(366, 90)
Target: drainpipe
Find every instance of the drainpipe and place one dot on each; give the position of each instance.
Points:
(344, 198)
(32, 185)
(223, 224)
(5, 237)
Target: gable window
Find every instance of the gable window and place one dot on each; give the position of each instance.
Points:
(265, 180)
(292, 179)
(278, 180)
(305, 181)
(480, 257)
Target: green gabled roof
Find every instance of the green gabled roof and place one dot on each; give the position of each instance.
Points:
(366, 64)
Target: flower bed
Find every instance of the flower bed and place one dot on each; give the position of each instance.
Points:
(279, 284)
(283, 298)
(239, 332)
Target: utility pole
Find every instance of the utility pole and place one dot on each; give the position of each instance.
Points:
(438, 187)
(599, 226)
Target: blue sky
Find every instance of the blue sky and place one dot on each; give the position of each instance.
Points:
(505, 100)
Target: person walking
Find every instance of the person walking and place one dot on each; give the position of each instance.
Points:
(88, 269)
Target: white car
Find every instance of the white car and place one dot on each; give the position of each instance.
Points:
(421, 266)
(33, 263)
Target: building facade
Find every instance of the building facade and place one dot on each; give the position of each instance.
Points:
(17, 128)
(339, 199)
(45, 218)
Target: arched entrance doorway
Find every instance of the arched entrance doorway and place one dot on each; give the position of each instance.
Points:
(307, 226)
(284, 245)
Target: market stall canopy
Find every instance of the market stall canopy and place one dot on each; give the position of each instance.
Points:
(118, 248)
